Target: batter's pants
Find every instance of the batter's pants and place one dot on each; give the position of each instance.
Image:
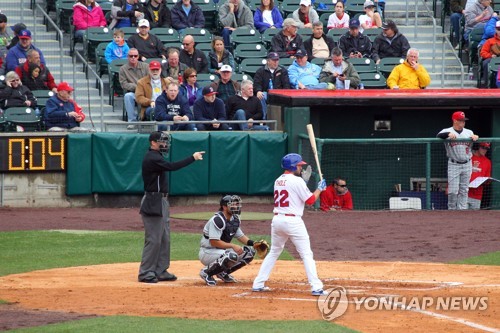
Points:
(458, 184)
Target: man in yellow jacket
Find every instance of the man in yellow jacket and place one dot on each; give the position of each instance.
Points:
(410, 74)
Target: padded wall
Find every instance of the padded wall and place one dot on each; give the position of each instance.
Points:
(79, 164)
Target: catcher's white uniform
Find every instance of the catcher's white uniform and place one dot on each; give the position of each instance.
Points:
(290, 195)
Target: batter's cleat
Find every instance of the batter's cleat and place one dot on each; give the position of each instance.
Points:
(227, 278)
(209, 280)
(319, 292)
(259, 290)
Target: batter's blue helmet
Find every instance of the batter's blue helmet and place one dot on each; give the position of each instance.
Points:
(290, 162)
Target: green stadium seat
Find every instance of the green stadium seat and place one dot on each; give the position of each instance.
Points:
(250, 66)
(363, 65)
(22, 116)
(492, 72)
(318, 61)
(386, 65)
(353, 7)
(100, 60)
(244, 51)
(166, 35)
(92, 38)
(372, 33)
(114, 83)
(245, 35)
(336, 34)
(305, 33)
(373, 80)
(201, 35)
(474, 38)
(267, 37)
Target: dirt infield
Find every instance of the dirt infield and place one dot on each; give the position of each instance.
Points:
(378, 240)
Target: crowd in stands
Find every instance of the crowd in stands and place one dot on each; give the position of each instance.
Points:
(169, 75)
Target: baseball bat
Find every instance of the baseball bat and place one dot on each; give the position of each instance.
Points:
(312, 139)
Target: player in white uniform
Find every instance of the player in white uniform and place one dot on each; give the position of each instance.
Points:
(459, 160)
(290, 195)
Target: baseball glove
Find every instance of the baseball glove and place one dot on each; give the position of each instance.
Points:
(262, 248)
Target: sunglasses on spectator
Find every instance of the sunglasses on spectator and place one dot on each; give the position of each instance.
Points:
(193, 75)
(345, 185)
(186, 43)
(133, 56)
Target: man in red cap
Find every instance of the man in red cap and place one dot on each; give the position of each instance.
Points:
(61, 111)
(481, 167)
(459, 160)
(149, 88)
(17, 54)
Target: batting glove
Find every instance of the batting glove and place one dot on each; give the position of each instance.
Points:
(322, 185)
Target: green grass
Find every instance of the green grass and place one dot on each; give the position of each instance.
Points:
(492, 258)
(25, 251)
(115, 324)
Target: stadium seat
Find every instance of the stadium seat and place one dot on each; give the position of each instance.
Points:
(114, 83)
(201, 35)
(3, 122)
(251, 65)
(305, 33)
(267, 37)
(373, 80)
(209, 10)
(166, 35)
(336, 34)
(372, 33)
(363, 65)
(285, 62)
(245, 35)
(92, 38)
(129, 31)
(100, 61)
(289, 6)
(474, 38)
(64, 10)
(244, 51)
(42, 96)
(319, 61)
(205, 79)
(386, 65)
(324, 19)
(492, 72)
(22, 116)
(240, 77)
(205, 47)
(353, 7)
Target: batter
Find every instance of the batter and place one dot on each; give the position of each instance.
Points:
(290, 196)
(459, 160)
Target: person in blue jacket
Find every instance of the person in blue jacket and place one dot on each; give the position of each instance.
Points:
(17, 54)
(267, 16)
(489, 30)
(171, 106)
(303, 74)
(118, 48)
(61, 111)
(186, 14)
(210, 108)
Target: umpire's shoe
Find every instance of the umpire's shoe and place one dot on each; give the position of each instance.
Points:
(227, 278)
(166, 276)
(209, 280)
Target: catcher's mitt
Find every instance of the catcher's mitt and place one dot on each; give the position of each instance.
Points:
(262, 248)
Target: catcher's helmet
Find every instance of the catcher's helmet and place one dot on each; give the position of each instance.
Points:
(290, 162)
(233, 202)
(163, 138)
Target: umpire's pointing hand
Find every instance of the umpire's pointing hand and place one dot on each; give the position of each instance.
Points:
(198, 155)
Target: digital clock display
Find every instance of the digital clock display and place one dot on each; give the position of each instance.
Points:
(32, 153)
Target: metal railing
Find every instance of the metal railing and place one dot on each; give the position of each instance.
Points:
(447, 42)
(59, 32)
(88, 69)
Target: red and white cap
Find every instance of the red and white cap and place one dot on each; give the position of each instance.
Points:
(459, 115)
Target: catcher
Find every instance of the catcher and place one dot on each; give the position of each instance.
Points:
(217, 253)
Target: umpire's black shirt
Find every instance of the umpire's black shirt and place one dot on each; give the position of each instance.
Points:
(153, 170)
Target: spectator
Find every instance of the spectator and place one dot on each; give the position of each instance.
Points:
(126, 13)
(32, 79)
(190, 90)
(219, 56)
(226, 87)
(270, 76)
(410, 74)
(4, 38)
(149, 45)
(61, 112)
(489, 30)
(192, 57)
(476, 16)
(44, 75)
(186, 14)
(267, 16)
(173, 68)
(380, 4)
(171, 106)
(337, 71)
(17, 55)
(234, 14)
(15, 94)
(339, 19)
(129, 75)
(158, 14)
(118, 48)
(287, 41)
(319, 45)
(246, 107)
(210, 108)
(87, 14)
(458, 9)
(490, 50)
(305, 15)
(390, 43)
(354, 43)
(17, 28)
(481, 167)
(149, 88)
(336, 196)
(459, 160)
(303, 74)
(371, 19)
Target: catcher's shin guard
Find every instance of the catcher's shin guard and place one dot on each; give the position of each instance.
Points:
(223, 264)
(247, 257)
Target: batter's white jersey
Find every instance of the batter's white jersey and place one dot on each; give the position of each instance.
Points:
(458, 150)
(290, 194)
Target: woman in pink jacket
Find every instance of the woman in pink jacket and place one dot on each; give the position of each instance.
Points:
(87, 14)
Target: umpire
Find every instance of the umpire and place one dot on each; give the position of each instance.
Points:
(155, 208)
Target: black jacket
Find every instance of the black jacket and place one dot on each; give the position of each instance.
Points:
(263, 75)
(197, 60)
(308, 45)
(11, 97)
(285, 48)
(164, 16)
(119, 11)
(361, 44)
(182, 21)
(384, 47)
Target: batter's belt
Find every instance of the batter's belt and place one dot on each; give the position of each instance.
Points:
(459, 162)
